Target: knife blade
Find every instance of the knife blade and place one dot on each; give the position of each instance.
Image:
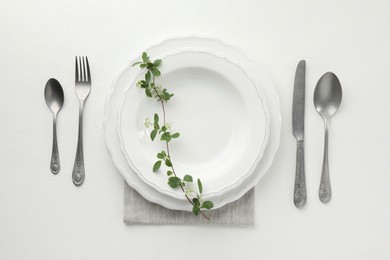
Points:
(298, 130)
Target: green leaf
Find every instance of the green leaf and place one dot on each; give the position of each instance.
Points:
(153, 134)
(148, 76)
(200, 187)
(156, 125)
(157, 166)
(196, 209)
(208, 205)
(149, 65)
(175, 135)
(156, 118)
(169, 173)
(157, 62)
(174, 182)
(160, 156)
(196, 201)
(145, 57)
(165, 136)
(143, 84)
(164, 128)
(147, 92)
(166, 96)
(156, 72)
(168, 163)
(142, 65)
(136, 63)
(187, 178)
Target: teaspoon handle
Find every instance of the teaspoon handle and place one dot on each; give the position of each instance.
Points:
(300, 182)
(78, 174)
(325, 191)
(55, 157)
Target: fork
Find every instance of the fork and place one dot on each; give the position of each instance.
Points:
(83, 88)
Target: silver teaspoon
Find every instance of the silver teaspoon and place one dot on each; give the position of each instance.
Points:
(54, 96)
(327, 99)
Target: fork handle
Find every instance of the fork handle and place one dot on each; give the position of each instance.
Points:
(78, 174)
(55, 157)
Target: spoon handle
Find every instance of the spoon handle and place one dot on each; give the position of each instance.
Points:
(55, 157)
(78, 174)
(325, 191)
(300, 182)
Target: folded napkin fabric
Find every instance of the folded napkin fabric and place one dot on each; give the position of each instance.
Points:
(138, 210)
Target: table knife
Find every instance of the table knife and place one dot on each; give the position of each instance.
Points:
(298, 130)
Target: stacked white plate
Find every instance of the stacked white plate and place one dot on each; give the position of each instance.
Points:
(224, 107)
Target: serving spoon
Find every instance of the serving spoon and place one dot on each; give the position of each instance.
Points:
(54, 97)
(327, 100)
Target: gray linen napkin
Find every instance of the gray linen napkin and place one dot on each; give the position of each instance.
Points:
(138, 210)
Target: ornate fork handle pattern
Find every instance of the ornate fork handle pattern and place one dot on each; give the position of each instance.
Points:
(78, 174)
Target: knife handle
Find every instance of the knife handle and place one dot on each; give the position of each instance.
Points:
(300, 182)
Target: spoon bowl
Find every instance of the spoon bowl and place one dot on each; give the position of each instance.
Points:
(327, 100)
(327, 95)
(54, 97)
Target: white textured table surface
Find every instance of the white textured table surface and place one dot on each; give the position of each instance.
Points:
(43, 216)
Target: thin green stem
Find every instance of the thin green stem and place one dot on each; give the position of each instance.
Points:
(167, 144)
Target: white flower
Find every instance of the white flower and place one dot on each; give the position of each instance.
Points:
(139, 83)
(158, 90)
(147, 123)
(189, 188)
(168, 125)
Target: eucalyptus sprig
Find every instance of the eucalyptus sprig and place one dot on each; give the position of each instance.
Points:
(192, 191)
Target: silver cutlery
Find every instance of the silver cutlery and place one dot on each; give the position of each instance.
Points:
(83, 88)
(327, 100)
(54, 97)
(298, 130)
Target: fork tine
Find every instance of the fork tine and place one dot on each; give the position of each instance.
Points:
(85, 70)
(88, 72)
(77, 71)
(82, 67)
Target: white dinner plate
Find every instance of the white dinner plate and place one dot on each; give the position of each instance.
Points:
(221, 115)
(113, 106)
